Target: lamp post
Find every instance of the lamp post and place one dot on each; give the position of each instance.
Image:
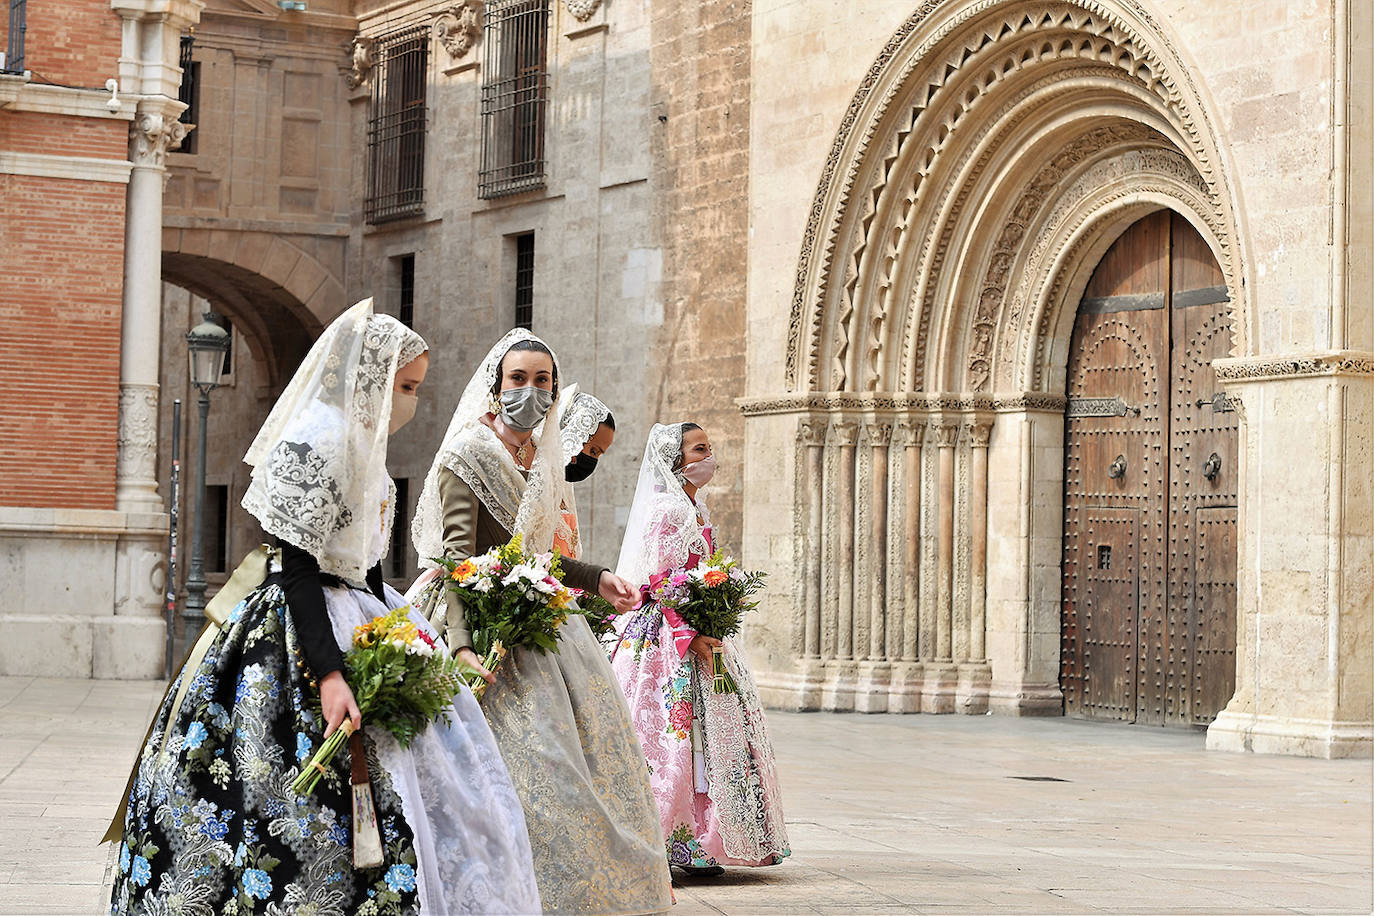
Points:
(206, 344)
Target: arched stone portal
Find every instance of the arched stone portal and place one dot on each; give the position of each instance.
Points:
(990, 157)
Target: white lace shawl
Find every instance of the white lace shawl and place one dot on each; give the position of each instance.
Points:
(578, 421)
(472, 450)
(662, 531)
(319, 462)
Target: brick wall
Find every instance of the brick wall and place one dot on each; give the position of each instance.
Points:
(700, 61)
(63, 261)
(73, 43)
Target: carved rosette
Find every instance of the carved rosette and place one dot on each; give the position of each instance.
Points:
(582, 10)
(363, 56)
(458, 28)
(137, 439)
(151, 135)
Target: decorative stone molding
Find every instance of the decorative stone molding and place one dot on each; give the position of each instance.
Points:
(898, 402)
(136, 458)
(152, 134)
(878, 435)
(582, 10)
(942, 62)
(1341, 362)
(458, 28)
(76, 168)
(363, 54)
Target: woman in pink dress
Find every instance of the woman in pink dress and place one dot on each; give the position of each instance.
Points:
(710, 761)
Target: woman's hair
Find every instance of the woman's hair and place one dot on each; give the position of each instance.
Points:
(609, 421)
(677, 465)
(533, 346)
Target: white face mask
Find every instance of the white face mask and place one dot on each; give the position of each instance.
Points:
(402, 410)
(524, 408)
(699, 473)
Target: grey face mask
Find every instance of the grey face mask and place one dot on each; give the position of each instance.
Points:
(524, 408)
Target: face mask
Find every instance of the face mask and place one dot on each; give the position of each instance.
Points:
(699, 473)
(580, 468)
(402, 410)
(524, 408)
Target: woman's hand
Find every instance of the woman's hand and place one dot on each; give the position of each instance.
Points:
(621, 594)
(337, 699)
(701, 647)
(469, 658)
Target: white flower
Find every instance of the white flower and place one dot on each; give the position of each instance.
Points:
(482, 585)
(523, 571)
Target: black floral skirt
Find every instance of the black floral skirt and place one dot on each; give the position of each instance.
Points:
(212, 825)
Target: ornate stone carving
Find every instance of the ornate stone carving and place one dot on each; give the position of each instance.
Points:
(811, 431)
(136, 458)
(980, 433)
(846, 433)
(363, 57)
(1346, 362)
(582, 9)
(878, 435)
(946, 433)
(458, 28)
(151, 135)
(1116, 35)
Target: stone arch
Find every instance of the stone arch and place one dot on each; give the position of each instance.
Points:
(965, 110)
(276, 293)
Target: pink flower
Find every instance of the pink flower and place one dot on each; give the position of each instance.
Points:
(680, 715)
(678, 578)
(429, 640)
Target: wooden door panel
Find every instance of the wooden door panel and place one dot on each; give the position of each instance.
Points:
(1142, 394)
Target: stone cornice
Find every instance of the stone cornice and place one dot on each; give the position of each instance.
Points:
(18, 94)
(1301, 365)
(78, 168)
(898, 403)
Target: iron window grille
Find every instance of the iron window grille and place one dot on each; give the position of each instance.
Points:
(189, 92)
(396, 129)
(524, 281)
(14, 47)
(514, 96)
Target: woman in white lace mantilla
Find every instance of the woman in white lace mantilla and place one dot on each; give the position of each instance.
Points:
(212, 825)
(586, 429)
(711, 763)
(559, 718)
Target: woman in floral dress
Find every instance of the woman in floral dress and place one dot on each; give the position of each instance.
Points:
(212, 825)
(711, 763)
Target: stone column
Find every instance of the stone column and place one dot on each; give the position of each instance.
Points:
(838, 692)
(941, 678)
(875, 673)
(131, 643)
(814, 484)
(903, 641)
(975, 675)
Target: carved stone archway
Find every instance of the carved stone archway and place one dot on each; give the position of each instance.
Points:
(992, 153)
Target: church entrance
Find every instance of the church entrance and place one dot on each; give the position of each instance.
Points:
(1149, 594)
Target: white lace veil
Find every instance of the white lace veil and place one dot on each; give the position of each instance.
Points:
(472, 450)
(662, 530)
(319, 461)
(579, 417)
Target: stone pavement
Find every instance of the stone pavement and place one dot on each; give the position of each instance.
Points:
(888, 814)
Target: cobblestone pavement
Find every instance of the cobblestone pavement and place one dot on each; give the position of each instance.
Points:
(888, 814)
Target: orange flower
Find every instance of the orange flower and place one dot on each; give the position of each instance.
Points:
(462, 570)
(715, 577)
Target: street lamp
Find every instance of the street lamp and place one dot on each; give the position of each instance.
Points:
(206, 344)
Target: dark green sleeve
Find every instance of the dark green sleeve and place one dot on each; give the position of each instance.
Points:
(460, 542)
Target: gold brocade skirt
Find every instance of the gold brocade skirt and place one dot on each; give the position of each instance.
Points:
(564, 731)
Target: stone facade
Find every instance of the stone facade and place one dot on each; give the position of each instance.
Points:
(965, 167)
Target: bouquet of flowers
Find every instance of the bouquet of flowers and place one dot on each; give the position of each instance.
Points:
(402, 684)
(712, 598)
(513, 599)
(599, 612)
(399, 682)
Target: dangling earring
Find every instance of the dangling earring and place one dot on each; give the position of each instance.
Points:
(495, 404)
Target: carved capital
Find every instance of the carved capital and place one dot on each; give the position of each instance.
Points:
(151, 135)
(946, 434)
(811, 431)
(582, 9)
(979, 433)
(363, 54)
(878, 435)
(909, 433)
(458, 28)
(845, 432)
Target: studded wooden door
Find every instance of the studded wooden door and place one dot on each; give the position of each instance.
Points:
(1149, 486)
